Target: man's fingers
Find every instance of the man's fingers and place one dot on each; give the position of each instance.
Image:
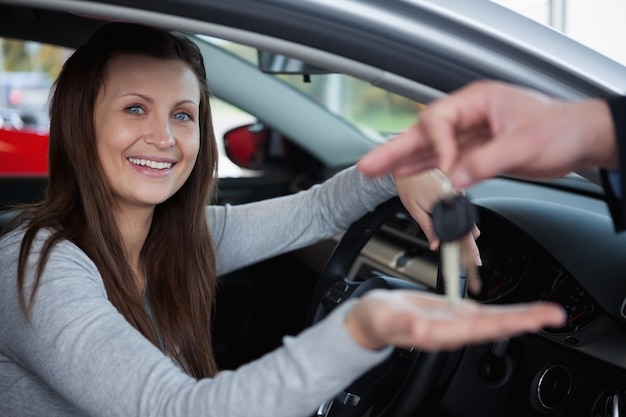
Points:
(438, 128)
(479, 163)
(408, 150)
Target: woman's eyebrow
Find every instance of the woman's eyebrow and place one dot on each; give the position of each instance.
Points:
(151, 100)
(143, 96)
(178, 103)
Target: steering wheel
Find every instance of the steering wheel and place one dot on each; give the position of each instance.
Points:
(400, 385)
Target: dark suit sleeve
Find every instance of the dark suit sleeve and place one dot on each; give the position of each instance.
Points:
(614, 197)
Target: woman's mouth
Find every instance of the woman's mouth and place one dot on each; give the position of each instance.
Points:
(159, 165)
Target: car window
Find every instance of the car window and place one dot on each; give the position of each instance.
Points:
(362, 104)
(28, 70)
(367, 107)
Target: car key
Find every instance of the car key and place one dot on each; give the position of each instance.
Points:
(453, 220)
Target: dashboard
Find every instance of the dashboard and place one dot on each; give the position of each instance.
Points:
(537, 243)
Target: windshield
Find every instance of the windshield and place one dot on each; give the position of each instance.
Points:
(362, 104)
(376, 112)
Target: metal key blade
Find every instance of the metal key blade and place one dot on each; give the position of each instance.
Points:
(451, 270)
(453, 220)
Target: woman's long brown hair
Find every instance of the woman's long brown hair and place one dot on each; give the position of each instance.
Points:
(178, 252)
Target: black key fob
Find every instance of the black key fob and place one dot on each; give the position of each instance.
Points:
(453, 217)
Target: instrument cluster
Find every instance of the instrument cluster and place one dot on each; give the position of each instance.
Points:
(517, 270)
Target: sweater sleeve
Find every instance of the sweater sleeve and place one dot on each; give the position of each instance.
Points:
(615, 183)
(247, 233)
(78, 356)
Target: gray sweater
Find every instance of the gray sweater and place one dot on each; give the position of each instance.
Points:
(80, 357)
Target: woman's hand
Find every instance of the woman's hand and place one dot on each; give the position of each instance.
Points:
(418, 194)
(427, 321)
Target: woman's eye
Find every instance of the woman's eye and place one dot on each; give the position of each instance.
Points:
(183, 116)
(134, 109)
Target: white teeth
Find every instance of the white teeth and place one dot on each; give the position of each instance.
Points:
(150, 164)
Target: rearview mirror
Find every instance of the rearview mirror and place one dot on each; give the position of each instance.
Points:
(271, 63)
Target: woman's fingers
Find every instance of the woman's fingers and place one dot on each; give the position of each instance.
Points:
(427, 321)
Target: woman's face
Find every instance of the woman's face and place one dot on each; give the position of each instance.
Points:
(147, 128)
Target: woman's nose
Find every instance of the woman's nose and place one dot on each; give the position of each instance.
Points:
(161, 136)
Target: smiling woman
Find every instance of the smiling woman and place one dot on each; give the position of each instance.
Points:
(121, 195)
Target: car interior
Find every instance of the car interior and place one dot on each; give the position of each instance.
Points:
(540, 240)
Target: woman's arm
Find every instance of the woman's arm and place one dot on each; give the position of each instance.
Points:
(79, 356)
(247, 233)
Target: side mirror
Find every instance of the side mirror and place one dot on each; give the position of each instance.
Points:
(247, 145)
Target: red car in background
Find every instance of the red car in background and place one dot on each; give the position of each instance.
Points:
(23, 153)
(23, 167)
(23, 113)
